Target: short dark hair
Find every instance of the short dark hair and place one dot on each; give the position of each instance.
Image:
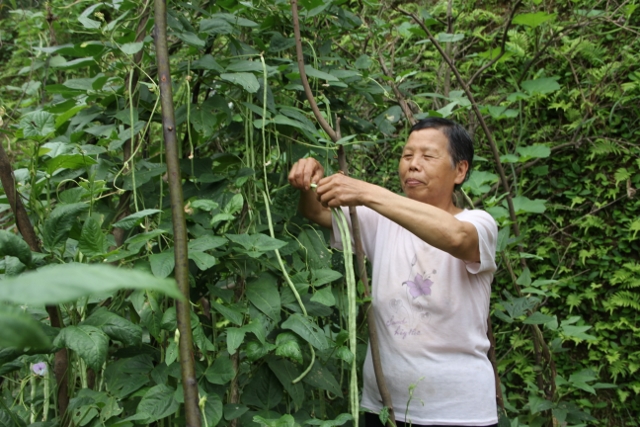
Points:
(460, 142)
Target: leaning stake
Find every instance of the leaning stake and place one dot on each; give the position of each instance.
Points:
(187, 365)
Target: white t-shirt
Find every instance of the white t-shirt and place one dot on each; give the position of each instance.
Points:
(431, 313)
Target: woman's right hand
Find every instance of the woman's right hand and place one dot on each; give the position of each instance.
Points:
(305, 172)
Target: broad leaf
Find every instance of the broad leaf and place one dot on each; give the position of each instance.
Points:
(162, 264)
(132, 220)
(235, 336)
(286, 372)
(59, 222)
(61, 283)
(263, 293)
(89, 342)
(37, 124)
(20, 331)
(533, 20)
(524, 204)
(158, 402)
(92, 241)
(221, 372)
(13, 245)
(541, 86)
(118, 328)
(248, 81)
(308, 330)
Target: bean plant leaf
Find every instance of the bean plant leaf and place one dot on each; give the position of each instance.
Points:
(263, 293)
(89, 342)
(286, 372)
(134, 219)
(13, 245)
(117, 327)
(221, 372)
(162, 264)
(256, 244)
(235, 337)
(59, 222)
(247, 80)
(541, 86)
(524, 204)
(319, 376)
(158, 402)
(92, 241)
(308, 330)
(538, 318)
(20, 330)
(69, 161)
(534, 151)
(37, 124)
(533, 20)
(61, 283)
(213, 409)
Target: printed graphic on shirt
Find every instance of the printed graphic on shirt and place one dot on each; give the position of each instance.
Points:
(409, 312)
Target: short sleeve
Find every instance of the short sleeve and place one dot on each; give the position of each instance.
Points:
(487, 240)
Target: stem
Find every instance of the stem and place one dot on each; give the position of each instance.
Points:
(187, 364)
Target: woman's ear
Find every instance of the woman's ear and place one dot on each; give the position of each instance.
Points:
(461, 171)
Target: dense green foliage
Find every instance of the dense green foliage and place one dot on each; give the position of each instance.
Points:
(81, 124)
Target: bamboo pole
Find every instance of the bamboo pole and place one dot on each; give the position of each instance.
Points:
(183, 314)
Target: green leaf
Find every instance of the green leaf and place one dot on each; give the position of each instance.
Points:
(61, 283)
(324, 296)
(340, 420)
(312, 72)
(247, 80)
(13, 245)
(69, 161)
(221, 372)
(308, 330)
(533, 20)
(449, 38)
(158, 402)
(127, 375)
(286, 372)
(523, 204)
(577, 332)
(131, 48)
(534, 151)
(319, 376)
(315, 249)
(206, 243)
(213, 409)
(92, 241)
(89, 342)
(538, 318)
(287, 346)
(202, 260)
(207, 62)
(37, 124)
(525, 278)
(257, 329)
(234, 410)
(323, 276)
(118, 328)
(538, 404)
(134, 219)
(256, 244)
(235, 337)
(20, 331)
(284, 421)
(230, 313)
(162, 264)
(541, 86)
(263, 293)
(58, 224)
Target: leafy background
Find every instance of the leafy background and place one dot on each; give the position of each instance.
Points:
(556, 82)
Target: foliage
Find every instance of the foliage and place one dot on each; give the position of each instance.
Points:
(82, 127)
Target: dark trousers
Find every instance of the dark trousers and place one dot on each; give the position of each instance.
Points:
(372, 420)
